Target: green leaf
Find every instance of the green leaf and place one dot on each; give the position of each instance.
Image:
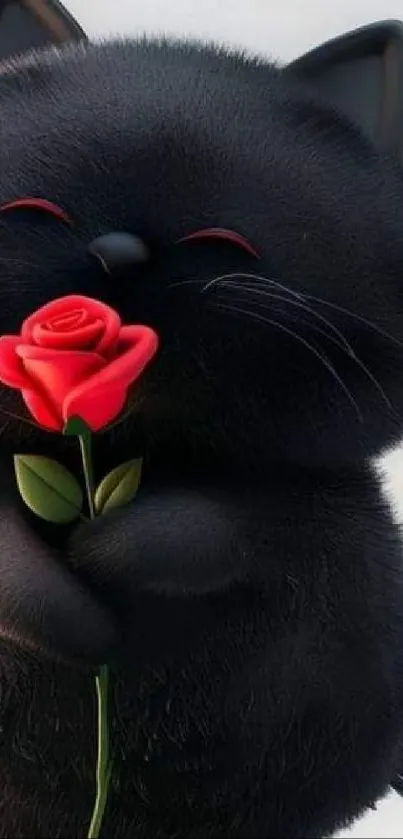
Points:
(76, 427)
(48, 488)
(119, 486)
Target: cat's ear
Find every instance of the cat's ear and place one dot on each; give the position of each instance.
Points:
(26, 26)
(361, 73)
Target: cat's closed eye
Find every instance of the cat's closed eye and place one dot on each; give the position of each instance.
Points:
(223, 235)
(35, 204)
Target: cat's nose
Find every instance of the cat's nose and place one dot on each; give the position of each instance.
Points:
(119, 250)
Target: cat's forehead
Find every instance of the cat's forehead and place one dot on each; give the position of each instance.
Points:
(168, 73)
(164, 137)
(163, 97)
(170, 131)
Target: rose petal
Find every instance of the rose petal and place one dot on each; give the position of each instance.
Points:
(57, 373)
(101, 398)
(72, 320)
(12, 371)
(42, 411)
(112, 326)
(97, 407)
(83, 338)
(46, 313)
(64, 306)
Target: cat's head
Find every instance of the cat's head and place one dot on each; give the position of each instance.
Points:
(281, 322)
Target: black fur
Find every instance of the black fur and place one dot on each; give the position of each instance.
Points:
(251, 600)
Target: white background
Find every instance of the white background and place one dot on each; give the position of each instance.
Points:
(281, 29)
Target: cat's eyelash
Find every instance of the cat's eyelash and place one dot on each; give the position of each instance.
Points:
(41, 204)
(221, 234)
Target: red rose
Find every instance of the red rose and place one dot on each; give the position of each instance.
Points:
(74, 358)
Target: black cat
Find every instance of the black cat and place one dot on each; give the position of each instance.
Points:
(250, 602)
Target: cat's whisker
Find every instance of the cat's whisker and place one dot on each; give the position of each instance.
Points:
(340, 340)
(299, 300)
(18, 417)
(257, 278)
(360, 318)
(20, 263)
(242, 276)
(322, 358)
(185, 282)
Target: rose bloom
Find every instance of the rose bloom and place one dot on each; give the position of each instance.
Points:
(73, 357)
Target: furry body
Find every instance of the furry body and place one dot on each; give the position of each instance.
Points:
(251, 601)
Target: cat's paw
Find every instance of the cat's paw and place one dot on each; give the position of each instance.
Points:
(175, 542)
(42, 604)
(157, 562)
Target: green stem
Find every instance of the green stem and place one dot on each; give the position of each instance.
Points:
(85, 446)
(103, 765)
(103, 770)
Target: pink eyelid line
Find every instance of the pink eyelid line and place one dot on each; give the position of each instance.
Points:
(224, 235)
(42, 204)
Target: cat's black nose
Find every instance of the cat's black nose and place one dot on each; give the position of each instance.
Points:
(119, 251)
